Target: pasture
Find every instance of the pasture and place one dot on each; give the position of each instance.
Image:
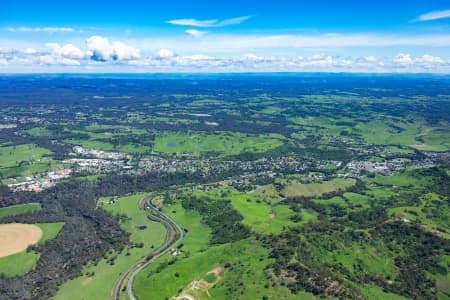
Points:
(98, 279)
(19, 209)
(294, 188)
(220, 143)
(17, 240)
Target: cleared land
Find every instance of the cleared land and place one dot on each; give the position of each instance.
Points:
(19, 209)
(222, 143)
(23, 160)
(17, 237)
(22, 262)
(294, 188)
(98, 279)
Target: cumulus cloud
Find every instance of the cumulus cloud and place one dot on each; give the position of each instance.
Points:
(104, 55)
(403, 59)
(252, 57)
(29, 51)
(67, 51)
(164, 53)
(100, 49)
(52, 60)
(125, 52)
(434, 15)
(198, 57)
(195, 32)
(40, 29)
(370, 58)
(430, 59)
(209, 23)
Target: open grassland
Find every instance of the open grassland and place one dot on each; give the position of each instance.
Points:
(109, 142)
(417, 135)
(197, 235)
(436, 140)
(110, 138)
(12, 156)
(98, 280)
(23, 261)
(294, 188)
(406, 179)
(243, 275)
(221, 143)
(388, 133)
(268, 193)
(19, 263)
(19, 209)
(24, 160)
(259, 214)
(50, 230)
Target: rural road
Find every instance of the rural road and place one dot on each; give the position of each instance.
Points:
(172, 229)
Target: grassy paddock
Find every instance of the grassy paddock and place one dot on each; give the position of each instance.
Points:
(22, 262)
(222, 143)
(19, 209)
(98, 280)
(294, 188)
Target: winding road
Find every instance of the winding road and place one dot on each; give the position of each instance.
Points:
(173, 230)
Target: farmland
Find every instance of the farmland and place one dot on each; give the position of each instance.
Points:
(99, 278)
(21, 260)
(309, 187)
(220, 143)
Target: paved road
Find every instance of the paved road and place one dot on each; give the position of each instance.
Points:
(172, 230)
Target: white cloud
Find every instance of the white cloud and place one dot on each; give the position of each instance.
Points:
(124, 52)
(29, 50)
(195, 32)
(209, 23)
(100, 49)
(403, 59)
(3, 62)
(430, 59)
(40, 29)
(434, 15)
(198, 57)
(52, 60)
(252, 57)
(370, 58)
(193, 22)
(233, 21)
(67, 51)
(164, 53)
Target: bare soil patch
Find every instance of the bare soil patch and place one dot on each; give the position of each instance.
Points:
(17, 237)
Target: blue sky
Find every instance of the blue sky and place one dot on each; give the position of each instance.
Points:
(225, 36)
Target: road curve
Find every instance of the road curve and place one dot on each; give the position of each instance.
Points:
(172, 230)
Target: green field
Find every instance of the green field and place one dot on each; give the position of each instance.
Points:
(22, 262)
(99, 285)
(12, 156)
(259, 214)
(19, 209)
(221, 143)
(294, 188)
(24, 160)
(388, 133)
(243, 278)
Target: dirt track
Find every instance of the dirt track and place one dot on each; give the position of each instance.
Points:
(16, 237)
